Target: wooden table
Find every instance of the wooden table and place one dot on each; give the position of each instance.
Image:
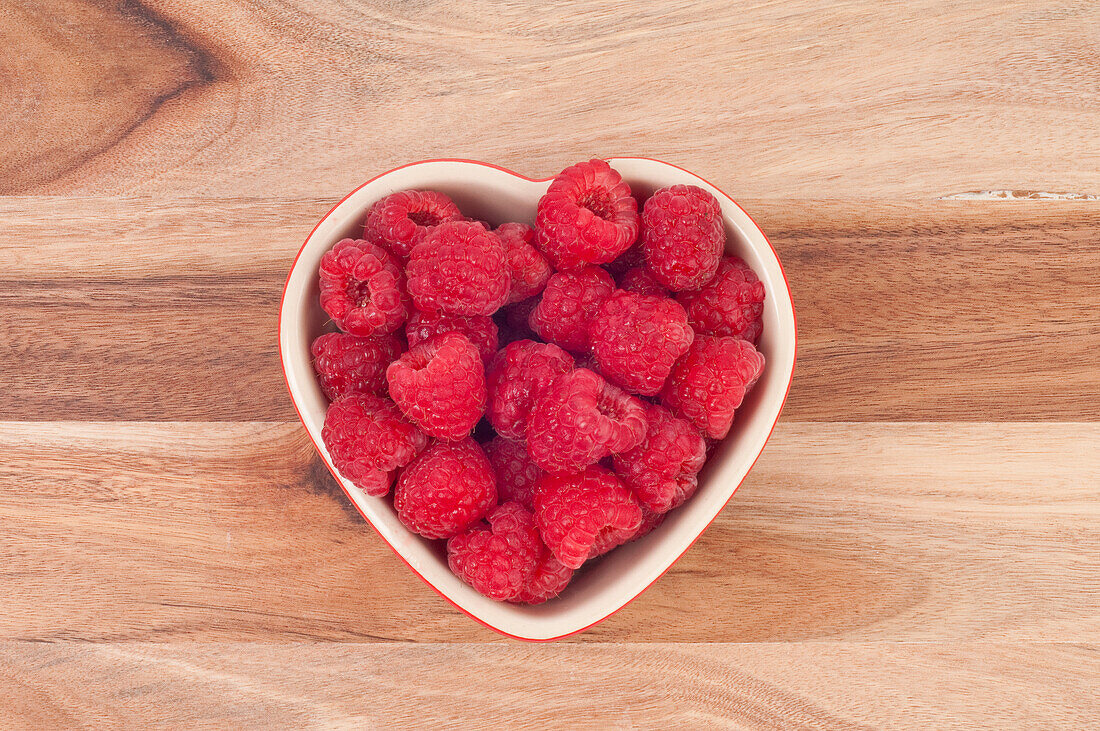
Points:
(919, 545)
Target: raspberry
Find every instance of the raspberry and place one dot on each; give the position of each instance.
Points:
(445, 490)
(347, 364)
(683, 237)
(579, 419)
(459, 268)
(363, 289)
(636, 338)
(730, 304)
(614, 538)
(548, 580)
(663, 470)
(440, 385)
(587, 216)
(568, 303)
(517, 474)
(708, 384)
(526, 264)
(640, 280)
(368, 438)
(401, 220)
(499, 559)
(576, 513)
(479, 329)
(515, 377)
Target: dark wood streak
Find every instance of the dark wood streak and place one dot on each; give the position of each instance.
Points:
(906, 311)
(207, 71)
(200, 69)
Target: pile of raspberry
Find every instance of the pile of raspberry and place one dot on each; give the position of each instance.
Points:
(536, 396)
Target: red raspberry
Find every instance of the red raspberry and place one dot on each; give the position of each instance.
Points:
(347, 364)
(576, 513)
(499, 559)
(683, 238)
(587, 216)
(459, 268)
(663, 470)
(568, 303)
(640, 280)
(440, 385)
(368, 438)
(710, 381)
(517, 474)
(636, 338)
(401, 220)
(612, 539)
(730, 304)
(479, 329)
(526, 264)
(515, 377)
(550, 577)
(363, 288)
(579, 419)
(445, 490)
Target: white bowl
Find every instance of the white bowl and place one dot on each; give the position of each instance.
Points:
(497, 195)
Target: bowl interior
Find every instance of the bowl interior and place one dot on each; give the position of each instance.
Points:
(497, 195)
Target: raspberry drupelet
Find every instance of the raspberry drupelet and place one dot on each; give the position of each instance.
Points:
(587, 216)
(363, 288)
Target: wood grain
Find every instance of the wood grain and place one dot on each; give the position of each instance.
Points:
(937, 532)
(918, 547)
(793, 99)
(801, 686)
(110, 308)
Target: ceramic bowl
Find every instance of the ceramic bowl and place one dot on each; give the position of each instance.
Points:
(496, 195)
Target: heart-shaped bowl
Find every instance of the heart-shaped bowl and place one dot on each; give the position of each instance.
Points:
(497, 195)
